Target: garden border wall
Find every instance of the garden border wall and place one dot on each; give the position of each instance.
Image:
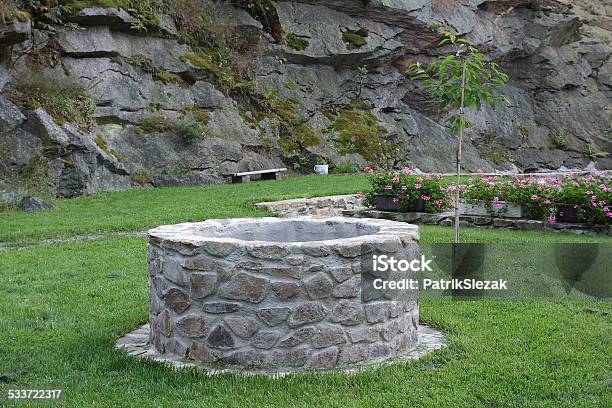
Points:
(351, 206)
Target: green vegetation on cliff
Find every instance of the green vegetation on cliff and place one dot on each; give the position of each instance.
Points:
(295, 42)
(64, 100)
(355, 129)
(355, 39)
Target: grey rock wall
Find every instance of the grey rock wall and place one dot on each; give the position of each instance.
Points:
(557, 56)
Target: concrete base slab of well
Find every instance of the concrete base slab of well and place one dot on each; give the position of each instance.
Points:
(136, 343)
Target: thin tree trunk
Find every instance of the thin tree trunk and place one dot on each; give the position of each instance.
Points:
(461, 122)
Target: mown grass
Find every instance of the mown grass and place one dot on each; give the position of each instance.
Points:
(63, 305)
(141, 209)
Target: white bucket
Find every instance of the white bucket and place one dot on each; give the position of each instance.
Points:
(321, 169)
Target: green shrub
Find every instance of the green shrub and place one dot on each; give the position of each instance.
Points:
(346, 168)
(142, 177)
(558, 139)
(224, 74)
(64, 100)
(9, 12)
(266, 142)
(200, 116)
(189, 131)
(594, 155)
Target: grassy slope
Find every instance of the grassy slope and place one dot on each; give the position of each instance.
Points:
(63, 305)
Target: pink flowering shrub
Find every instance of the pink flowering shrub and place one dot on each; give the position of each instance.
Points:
(409, 189)
(542, 197)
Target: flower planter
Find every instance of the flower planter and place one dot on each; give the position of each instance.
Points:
(567, 213)
(419, 206)
(386, 203)
(479, 208)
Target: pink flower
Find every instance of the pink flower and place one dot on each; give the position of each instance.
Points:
(589, 192)
(546, 201)
(388, 187)
(425, 198)
(442, 188)
(438, 177)
(395, 180)
(495, 199)
(551, 219)
(438, 202)
(428, 178)
(395, 200)
(606, 209)
(499, 206)
(609, 214)
(535, 197)
(359, 194)
(404, 187)
(419, 178)
(406, 170)
(367, 169)
(417, 186)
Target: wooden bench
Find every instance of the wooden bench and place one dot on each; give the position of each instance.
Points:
(245, 176)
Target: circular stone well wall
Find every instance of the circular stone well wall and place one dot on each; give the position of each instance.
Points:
(277, 294)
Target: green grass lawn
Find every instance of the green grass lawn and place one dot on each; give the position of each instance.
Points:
(63, 305)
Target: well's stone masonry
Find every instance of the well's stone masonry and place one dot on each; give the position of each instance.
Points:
(282, 294)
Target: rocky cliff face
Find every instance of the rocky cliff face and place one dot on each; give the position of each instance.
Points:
(317, 79)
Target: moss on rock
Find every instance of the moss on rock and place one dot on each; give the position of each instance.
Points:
(295, 42)
(154, 124)
(355, 39)
(168, 77)
(356, 130)
(225, 75)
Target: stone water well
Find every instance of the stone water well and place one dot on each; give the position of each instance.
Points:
(279, 294)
